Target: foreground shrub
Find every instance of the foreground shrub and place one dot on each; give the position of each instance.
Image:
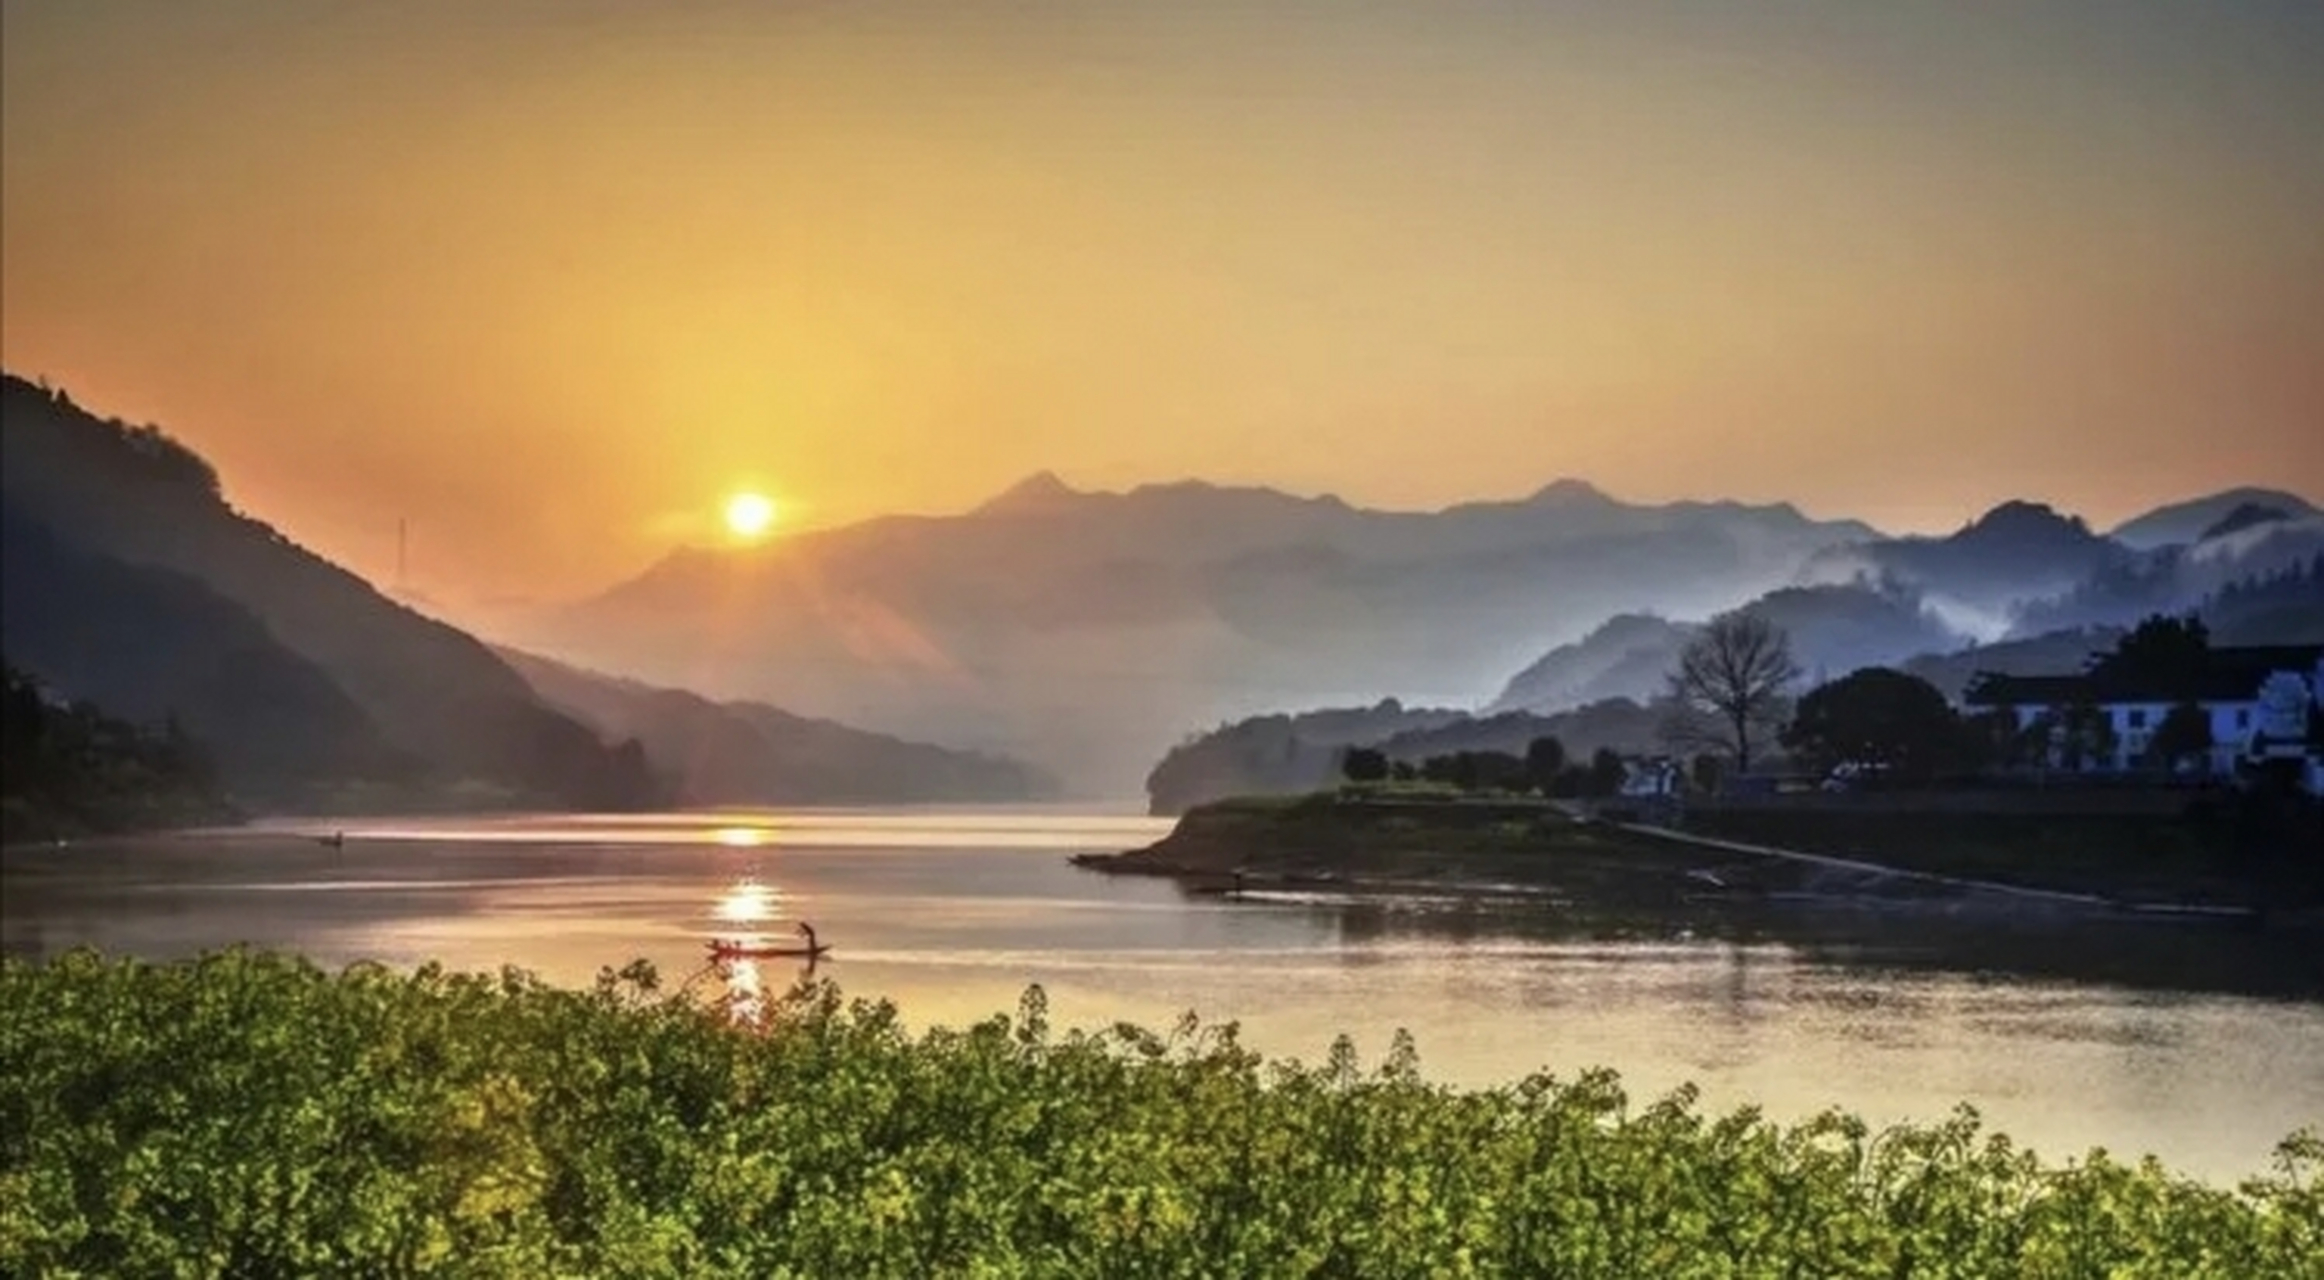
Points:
(249, 1114)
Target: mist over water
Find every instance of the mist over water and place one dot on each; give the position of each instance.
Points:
(953, 914)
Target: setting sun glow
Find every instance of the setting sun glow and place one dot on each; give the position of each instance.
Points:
(749, 515)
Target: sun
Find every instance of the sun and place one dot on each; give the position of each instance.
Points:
(749, 515)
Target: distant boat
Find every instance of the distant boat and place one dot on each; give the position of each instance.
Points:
(734, 949)
(737, 949)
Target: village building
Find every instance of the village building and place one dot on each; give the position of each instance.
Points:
(2261, 703)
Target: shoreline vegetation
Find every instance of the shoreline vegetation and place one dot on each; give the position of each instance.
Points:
(251, 1113)
(1646, 858)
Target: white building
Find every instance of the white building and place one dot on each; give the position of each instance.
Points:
(2262, 703)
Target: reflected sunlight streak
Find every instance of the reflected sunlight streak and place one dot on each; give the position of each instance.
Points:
(748, 902)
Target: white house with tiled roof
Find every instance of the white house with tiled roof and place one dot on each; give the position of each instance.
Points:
(2263, 703)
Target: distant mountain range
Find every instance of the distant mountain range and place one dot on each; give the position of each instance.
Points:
(131, 583)
(1087, 631)
(1833, 629)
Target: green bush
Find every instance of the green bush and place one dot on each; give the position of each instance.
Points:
(249, 1114)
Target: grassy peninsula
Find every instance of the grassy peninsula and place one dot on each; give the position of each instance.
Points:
(250, 1114)
(1363, 838)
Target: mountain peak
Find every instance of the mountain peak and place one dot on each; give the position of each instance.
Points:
(1040, 491)
(2020, 521)
(1570, 491)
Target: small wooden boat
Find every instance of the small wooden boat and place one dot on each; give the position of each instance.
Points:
(737, 949)
(730, 949)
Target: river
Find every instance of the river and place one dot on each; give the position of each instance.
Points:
(2178, 1040)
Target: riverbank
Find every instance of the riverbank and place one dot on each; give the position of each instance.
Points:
(409, 1123)
(1526, 846)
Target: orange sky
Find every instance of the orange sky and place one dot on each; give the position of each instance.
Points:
(551, 278)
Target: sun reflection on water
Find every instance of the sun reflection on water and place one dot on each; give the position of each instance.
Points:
(748, 902)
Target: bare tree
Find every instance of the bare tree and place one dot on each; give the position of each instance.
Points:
(1728, 690)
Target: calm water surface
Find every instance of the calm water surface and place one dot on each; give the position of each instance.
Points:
(952, 915)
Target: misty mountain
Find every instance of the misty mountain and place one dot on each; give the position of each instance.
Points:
(2183, 522)
(1629, 656)
(1087, 630)
(718, 753)
(196, 607)
(2281, 607)
(2047, 654)
(1833, 630)
(2016, 552)
(2180, 578)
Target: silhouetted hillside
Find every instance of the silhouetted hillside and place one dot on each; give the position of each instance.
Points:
(69, 769)
(1277, 754)
(749, 753)
(151, 643)
(130, 494)
(1287, 754)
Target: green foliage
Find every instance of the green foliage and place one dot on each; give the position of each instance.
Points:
(248, 1114)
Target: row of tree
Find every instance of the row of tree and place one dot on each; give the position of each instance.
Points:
(1730, 692)
(1544, 769)
(1730, 702)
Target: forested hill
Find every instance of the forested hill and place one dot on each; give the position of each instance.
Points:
(69, 769)
(258, 642)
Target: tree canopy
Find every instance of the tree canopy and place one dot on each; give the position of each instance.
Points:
(2163, 652)
(1877, 716)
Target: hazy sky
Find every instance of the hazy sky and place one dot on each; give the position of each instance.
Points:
(552, 277)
